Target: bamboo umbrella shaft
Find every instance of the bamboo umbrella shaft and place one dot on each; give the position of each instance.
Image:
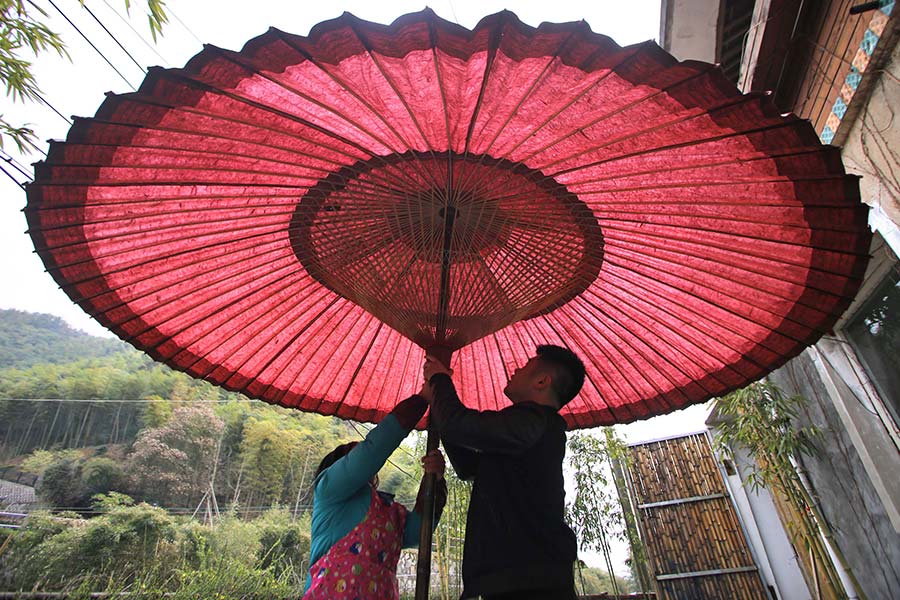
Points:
(423, 566)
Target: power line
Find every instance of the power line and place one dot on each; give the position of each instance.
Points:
(53, 108)
(53, 4)
(402, 470)
(182, 23)
(137, 33)
(21, 184)
(110, 34)
(6, 157)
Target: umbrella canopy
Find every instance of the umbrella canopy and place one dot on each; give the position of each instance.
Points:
(297, 220)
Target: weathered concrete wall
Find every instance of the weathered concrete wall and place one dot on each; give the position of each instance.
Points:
(848, 500)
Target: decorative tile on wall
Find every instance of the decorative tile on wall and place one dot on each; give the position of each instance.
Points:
(859, 65)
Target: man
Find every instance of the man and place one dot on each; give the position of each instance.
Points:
(518, 545)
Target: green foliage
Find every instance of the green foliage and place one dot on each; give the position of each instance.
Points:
(591, 580)
(223, 578)
(267, 450)
(145, 553)
(52, 553)
(759, 419)
(38, 461)
(23, 33)
(110, 501)
(28, 339)
(595, 512)
(100, 475)
(61, 484)
(284, 544)
(157, 412)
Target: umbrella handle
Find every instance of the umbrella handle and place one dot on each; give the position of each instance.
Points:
(423, 566)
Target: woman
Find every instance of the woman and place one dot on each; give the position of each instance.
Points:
(357, 531)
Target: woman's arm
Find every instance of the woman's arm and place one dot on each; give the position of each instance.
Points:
(353, 471)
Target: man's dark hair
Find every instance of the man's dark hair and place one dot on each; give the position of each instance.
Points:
(567, 371)
(333, 456)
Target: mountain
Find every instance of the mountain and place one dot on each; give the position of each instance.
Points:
(28, 339)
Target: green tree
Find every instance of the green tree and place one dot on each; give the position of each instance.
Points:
(38, 461)
(174, 463)
(157, 412)
(267, 450)
(100, 475)
(23, 33)
(61, 485)
(595, 512)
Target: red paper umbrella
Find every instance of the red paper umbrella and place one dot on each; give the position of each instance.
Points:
(296, 221)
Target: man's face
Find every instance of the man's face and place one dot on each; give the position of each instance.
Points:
(522, 380)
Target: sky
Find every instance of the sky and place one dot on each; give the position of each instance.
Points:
(78, 88)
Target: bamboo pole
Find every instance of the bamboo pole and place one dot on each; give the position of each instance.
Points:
(426, 532)
(423, 566)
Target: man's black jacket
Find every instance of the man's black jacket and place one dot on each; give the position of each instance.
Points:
(516, 534)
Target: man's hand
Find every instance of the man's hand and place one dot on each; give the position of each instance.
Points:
(433, 366)
(433, 462)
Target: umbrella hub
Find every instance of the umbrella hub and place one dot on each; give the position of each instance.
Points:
(444, 247)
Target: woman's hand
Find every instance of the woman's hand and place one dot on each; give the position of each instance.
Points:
(433, 462)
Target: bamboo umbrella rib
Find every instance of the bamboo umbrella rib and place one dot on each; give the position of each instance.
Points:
(325, 376)
(688, 164)
(723, 255)
(237, 117)
(174, 138)
(570, 103)
(706, 279)
(140, 252)
(355, 124)
(699, 361)
(187, 80)
(288, 359)
(659, 283)
(658, 128)
(651, 94)
(527, 93)
(647, 126)
(193, 316)
(682, 326)
(385, 401)
(278, 280)
(606, 345)
(716, 271)
(316, 321)
(359, 365)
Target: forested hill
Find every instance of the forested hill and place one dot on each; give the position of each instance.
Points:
(28, 339)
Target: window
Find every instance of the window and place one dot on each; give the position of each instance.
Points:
(874, 332)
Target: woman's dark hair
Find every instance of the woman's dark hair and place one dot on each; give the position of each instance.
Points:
(333, 456)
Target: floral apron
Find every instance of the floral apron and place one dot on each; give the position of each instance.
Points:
(362, 565)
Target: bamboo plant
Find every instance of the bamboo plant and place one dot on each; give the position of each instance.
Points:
(761, 419)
